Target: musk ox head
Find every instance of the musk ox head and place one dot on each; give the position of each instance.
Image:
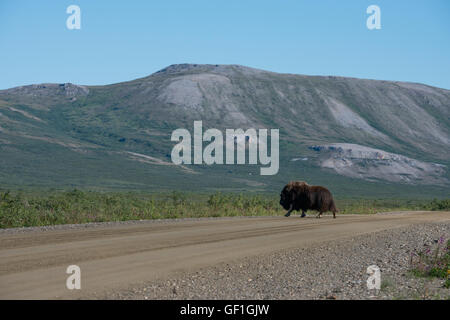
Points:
(293, 194)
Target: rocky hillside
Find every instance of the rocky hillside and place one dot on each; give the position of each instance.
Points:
(357, 161)
(118, 136)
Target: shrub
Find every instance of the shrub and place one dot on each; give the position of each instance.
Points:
(432, 263)
(439, 204)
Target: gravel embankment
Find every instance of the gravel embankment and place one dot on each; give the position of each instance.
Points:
(333, 270)
(107, 224)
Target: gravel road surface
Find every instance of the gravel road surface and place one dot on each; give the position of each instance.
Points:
(243, 258)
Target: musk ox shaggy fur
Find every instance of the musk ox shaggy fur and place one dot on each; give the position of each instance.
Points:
(298, 195)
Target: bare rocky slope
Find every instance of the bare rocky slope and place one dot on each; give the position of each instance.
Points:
(72, 135)
(367, 163)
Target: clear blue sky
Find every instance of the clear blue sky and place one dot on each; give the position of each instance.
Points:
(123, 40)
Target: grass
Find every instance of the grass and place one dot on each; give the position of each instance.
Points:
(20, 209)
(369, 206)
(386, 283)
(433, 263)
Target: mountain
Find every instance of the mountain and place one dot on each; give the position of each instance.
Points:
(118, 136)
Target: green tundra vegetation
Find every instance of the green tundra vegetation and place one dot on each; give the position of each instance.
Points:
(118, 137)
(26, 209)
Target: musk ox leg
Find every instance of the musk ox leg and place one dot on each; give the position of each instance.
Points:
(290, 210)
(334, 209)
(318, 215)
(303, 214)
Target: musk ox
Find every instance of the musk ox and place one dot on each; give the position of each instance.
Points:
(298, 195)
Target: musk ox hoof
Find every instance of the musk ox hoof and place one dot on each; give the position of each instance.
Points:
(287, 215)
(303, 215)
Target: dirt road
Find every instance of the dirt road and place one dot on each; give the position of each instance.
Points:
(33, 264)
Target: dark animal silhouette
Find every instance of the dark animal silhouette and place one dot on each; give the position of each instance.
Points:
(298, 195)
